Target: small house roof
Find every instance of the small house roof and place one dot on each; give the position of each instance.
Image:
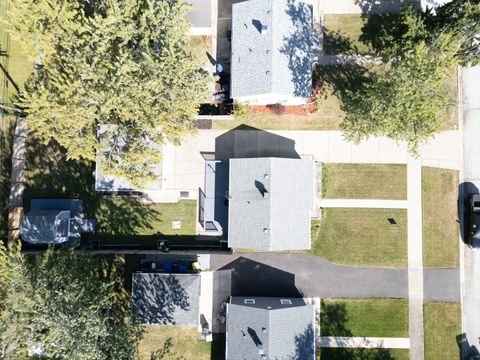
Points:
(166, 299)
(279, 328)
(270, 203)
(273, 48)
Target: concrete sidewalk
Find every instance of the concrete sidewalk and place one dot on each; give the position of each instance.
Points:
(415, 259)
(364, 342)
(363, 203)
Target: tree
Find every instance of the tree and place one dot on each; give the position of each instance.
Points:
(110, 64)
(58, 305)
(461, 17)
(408, 101)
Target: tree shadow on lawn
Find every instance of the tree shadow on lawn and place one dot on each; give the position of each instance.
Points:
(333, 319)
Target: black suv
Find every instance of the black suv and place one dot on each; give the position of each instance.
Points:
(474, 209)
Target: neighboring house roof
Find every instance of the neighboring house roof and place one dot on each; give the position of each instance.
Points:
(166, 299)
(108, 183)
(273, 48)
(278, 329)
(270, 203)
(46, 226)
(201, 15)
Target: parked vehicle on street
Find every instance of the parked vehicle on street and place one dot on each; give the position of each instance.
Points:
(474, 212)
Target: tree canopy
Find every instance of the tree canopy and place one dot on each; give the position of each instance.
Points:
(406, 98)
(61, 305)
(110, 64)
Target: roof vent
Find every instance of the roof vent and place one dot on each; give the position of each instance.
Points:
(263, 29)
(261, 350)
(264, 329)
(265, 230)
(265, 176)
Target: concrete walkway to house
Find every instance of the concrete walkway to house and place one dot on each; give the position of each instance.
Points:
(364, 342)
(348, 59)
(364, 6)
(184, 165)
(363, 203)
(415, 258)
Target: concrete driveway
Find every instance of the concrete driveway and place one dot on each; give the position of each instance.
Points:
(279, 274)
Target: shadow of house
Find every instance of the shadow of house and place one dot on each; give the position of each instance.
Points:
(166, 299)
(465, 214)
(251, 278)
(270, 328)
(273, 49)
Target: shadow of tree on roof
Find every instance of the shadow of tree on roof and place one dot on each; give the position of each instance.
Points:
(301, 47)
(157, 298)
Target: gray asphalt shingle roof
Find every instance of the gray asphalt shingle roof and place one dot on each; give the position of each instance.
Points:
(201, 15)
(166, 299)
(275, 60)
(281, 332)
(270, 203)
(46, 226)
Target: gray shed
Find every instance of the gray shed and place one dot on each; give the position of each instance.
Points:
(46, 226)
(270, 328)
(166, 299)
(270, 203)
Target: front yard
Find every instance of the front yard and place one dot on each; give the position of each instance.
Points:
(363, 237)
(443, 323)
(364, 181)
(440, 224)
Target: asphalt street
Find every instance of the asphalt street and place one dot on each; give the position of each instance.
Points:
(471, 184)
(280, 274)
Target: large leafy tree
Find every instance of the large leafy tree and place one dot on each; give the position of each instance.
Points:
(407, 99)
(114, 78)
(59, 305)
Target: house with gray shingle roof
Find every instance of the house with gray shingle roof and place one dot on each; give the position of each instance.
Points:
(270, 203)
(273, 51)
(166, 298)
(270, 328)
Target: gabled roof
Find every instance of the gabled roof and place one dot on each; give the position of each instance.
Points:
(166, 299)
(46, 226)
(270, 327)
(270, 203)
(273, 48)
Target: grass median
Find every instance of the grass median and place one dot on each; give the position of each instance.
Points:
(364, 181)
(440, 226)
(363, 237)
(442, 323)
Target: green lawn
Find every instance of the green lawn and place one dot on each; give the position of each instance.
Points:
(363, 354)
(361, 237)
(184, 343)
(440, 227)
(341, 34)
(16, 63)
(364, 317)
(328, 117)
(442, 323)
(364, 181)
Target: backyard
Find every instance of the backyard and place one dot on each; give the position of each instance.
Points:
(443, 323)
(121, 220)
(440, 226)
(181, 342)
(351, 237)
(364, 181)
